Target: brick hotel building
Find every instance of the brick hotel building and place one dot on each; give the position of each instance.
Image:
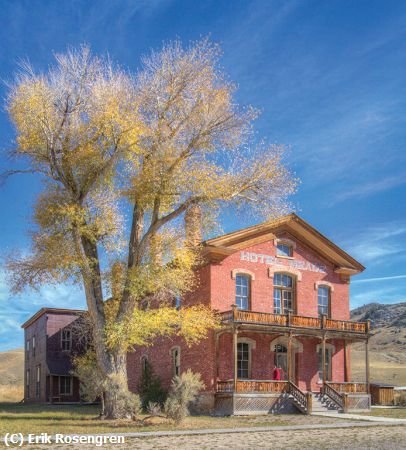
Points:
(282, 290)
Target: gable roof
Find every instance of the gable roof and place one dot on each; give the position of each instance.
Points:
(218, 248)
(42, 311)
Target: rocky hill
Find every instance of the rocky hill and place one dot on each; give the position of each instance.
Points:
(387, 346)
(382, 315)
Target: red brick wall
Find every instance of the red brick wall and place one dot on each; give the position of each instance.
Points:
(216, 287)
(223, 286)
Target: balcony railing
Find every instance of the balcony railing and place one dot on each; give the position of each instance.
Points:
(290, 320)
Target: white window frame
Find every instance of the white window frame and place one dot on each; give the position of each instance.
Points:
(38, 381)
(27, 383)
(328, 289)
(248, 297)
(64, 340)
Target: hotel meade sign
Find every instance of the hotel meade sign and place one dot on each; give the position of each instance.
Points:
(273, 260)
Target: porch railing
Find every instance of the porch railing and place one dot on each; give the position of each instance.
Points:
(290, 320)
(301, 399)
(333, 395)
(349, 387)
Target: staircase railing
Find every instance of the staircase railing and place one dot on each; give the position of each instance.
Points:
(303, 400)
(333, 395)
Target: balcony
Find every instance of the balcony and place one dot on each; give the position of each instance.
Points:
(291, 321)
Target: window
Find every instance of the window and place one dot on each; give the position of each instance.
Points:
(284, 250)
(27, 384)
(178, 302)
(328, 364)
(65, 385)
(33, 345)
(38, 382)
(175, 352)
(28, 347)
(243, 360)
(66, 340)
(144, 364)
(323, 300)
(283, 293)
(242, 291)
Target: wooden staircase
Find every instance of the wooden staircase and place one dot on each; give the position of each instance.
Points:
(323, 404)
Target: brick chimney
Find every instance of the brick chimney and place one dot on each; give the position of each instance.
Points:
(193, 225)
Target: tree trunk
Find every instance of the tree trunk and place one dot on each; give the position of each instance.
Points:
(114, 368)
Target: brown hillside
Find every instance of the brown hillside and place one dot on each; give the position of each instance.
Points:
(12, 367)
(387, 346)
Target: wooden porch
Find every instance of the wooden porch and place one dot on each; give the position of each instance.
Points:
(344, 395)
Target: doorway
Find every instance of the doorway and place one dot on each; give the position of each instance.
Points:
(281, 360)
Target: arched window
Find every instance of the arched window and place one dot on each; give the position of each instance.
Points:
(175, 354)
(283, 293)
(323, 300)
(144, 364)
(242, 291)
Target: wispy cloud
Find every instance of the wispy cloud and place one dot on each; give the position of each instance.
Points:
(16, 309)
(371, 280)
(370, 187)
(378, 241)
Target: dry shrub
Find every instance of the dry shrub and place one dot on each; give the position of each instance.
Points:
(184, 390)
(400, 398)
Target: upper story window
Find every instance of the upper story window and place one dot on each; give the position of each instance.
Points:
(33, 345)
(242, 291)
(27, 347)
(283, 249)
(66, 340)
(323, 300)
(283, 293)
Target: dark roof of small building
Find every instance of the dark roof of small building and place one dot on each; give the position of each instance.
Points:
(42, 311)
(59, 366)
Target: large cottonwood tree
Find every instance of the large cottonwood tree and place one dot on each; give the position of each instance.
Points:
(132, 166)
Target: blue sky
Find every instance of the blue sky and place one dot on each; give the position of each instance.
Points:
(329, 78)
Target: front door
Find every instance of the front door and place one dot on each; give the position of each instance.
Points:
(281, 361)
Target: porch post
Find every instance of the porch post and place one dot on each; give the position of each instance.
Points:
(323, 358)
(51, 387)
(235, 368)
(289, 357)
(367, 365)
(346, 371)
(216, 343)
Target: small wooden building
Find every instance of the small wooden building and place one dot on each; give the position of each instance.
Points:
(382, 394)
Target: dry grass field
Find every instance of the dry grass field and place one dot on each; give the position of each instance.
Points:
(11, 375)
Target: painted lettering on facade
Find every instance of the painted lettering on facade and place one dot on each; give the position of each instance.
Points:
(273, 260)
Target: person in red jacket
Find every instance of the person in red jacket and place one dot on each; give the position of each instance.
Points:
(276, 373)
